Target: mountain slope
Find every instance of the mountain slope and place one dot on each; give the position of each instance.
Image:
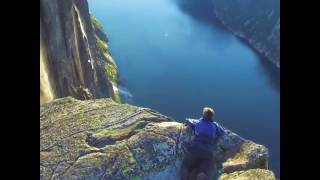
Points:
(257, 22)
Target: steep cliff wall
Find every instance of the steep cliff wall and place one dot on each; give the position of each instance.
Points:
(257, 22)
(72, 63)
(46, 90)
(101, 139)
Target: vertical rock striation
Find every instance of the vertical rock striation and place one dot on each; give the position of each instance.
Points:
(71, 62)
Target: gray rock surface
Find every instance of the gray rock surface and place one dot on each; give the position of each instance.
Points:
(101, 139)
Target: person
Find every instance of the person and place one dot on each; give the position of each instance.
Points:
(198, 162)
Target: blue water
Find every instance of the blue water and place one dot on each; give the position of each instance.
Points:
(176, 63)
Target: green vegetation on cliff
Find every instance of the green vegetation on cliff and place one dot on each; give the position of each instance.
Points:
(95, 22)
(110, 65)
(112, 72)
(102, 46)
(98, 29)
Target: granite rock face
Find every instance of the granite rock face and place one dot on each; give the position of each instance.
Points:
(101, 139)
(257, 22)
(71, 62)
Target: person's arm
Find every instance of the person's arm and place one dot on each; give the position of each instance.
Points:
(191, 122)
(220, 129)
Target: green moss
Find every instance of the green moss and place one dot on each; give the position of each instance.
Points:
(112, 72)
(120, 133)
(110, 65)
(102, 46)
(96, 24)
(136, 178)
(98, 29)
(117, 97)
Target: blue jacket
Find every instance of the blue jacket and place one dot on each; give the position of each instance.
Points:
(206, 132)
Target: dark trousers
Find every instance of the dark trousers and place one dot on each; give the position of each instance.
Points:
(197, 161)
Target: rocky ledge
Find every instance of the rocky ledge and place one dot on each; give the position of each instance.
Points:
(101, 139)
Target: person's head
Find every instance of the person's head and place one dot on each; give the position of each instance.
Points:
(208, 112)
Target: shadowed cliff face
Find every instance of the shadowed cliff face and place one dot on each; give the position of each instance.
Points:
(71, 62)
(256, 22)
(46, 91)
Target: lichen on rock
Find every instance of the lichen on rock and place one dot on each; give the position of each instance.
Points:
(251, 174)
(101, 139)
(250, 155)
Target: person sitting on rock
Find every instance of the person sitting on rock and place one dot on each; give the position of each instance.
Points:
(198, 161)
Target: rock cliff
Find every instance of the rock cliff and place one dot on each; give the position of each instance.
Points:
(257, 22)
(74, 59)
(101, 139)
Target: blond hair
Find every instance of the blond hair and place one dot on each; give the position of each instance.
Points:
(208, 111)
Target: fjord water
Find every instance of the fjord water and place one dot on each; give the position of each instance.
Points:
(176, 63)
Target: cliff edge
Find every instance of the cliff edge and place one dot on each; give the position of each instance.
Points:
(101, 139)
